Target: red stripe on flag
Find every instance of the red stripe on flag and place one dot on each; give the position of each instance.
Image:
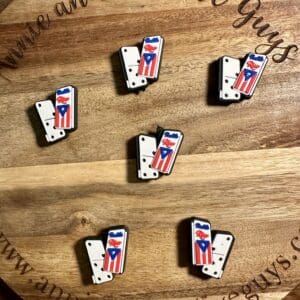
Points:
(161, 162)
(204, 257)
(209, 255)
(243, 86)
(236, 86)
(153, 65)
(141, 68)
(147, 70)
(68, 117)
(56, 118)
(250, 84)
(167, 162)
(106, 260)
(111, 266)
(197, 253)
(62, 121)
(117, 269)
(156, 158)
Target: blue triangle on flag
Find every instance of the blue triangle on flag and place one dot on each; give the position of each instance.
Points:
(149, 57)
(203, 245)
(249, 73)
(164, 152)
(113, 252)
(63, 109)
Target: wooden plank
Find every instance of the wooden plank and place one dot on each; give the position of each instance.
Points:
(4, 4)
(47, 211)
(81, 49)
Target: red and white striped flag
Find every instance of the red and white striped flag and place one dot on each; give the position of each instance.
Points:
(201, 242)
(65, 108)
(151, 57)
(250, 74)
(115, 251)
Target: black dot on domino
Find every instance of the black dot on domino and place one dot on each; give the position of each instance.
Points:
(226, 80)
(130, 70)
(95, 265)
(40, 105)
(89, 244)
(226, 95)
(226, 60)
(47, 124)
(133, 83)
(125, 50)
(144, 160)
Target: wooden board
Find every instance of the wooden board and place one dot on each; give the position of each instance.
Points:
(81, 48)
(47, 212)
(239, 164)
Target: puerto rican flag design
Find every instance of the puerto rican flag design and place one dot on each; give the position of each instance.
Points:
(151, 57)
(167, 151)
(115, 251)
(250, 74)
(64, 108)
(201, 242)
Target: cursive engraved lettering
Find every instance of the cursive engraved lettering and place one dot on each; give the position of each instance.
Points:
(61, 9)
(27, 39)
(263, 280)
(52, 290)
(11, 253)
(293, 243)
(248, 9)
(49, 289)
(24, 42)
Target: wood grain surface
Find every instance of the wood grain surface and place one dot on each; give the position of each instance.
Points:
(47, 212)
(239, 165)
(80, 49)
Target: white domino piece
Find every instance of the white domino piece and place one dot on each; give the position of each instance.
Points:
(96, 253)
(130, 58)
(146, 148)
(46, 112)
(222, 245)
(229, 69)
